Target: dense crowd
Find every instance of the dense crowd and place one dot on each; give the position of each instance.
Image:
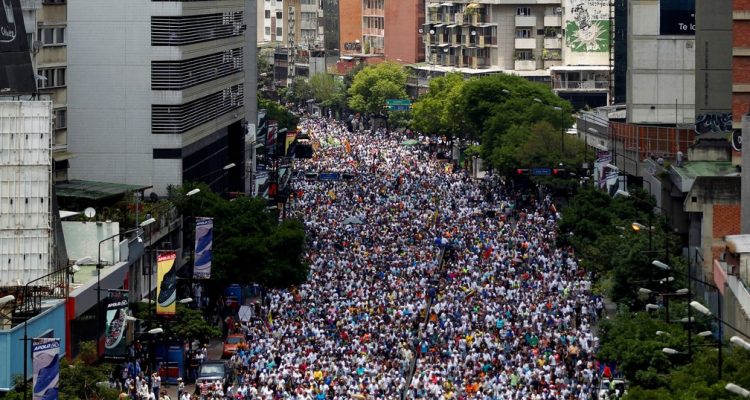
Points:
(424, 282)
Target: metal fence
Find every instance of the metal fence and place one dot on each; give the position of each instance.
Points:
(651, 141)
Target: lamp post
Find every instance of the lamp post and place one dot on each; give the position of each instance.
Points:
(738, 390)
(99, 267)
(562, 124)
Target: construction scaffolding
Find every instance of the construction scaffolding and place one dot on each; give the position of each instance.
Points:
(648, 141)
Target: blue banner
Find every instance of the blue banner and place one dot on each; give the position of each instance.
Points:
(204, 236)
(46, 364)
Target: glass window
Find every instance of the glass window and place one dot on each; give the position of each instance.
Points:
(268, 13)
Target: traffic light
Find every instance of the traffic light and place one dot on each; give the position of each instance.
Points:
(522, 171)
(559, 172)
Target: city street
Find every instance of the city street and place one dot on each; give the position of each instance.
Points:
(424, 282)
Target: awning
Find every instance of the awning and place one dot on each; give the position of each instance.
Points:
(738, 244)
(444, 45)
(62, 155)
(447, 4)
(438, 25)
(433, 5)
(451, 26)
(95, 190)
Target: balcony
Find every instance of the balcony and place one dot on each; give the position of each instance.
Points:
(525, 20)
(551, 43)
(552, 20)
(525, 65)
(373, 31)
(478, 62)
(581, 85)
(525, 43)
(373, 12)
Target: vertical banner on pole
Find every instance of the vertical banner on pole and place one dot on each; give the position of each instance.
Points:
(166, 283)
(46, 364)
(204, 237)
(115, 339)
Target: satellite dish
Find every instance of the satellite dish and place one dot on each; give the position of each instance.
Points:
(89, 212)
(737, 140)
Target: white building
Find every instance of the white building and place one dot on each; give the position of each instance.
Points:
(661, 68)
(566, 41)
(274, 19)
(25, 189)
(157, 91)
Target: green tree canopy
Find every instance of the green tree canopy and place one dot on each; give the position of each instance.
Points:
(300, 90)
(249, 244)
(279, 113)
(374, 84)
(439, 111)
(328, 90)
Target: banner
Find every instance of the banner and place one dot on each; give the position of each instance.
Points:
(587, 25)
(204, 237)
(166, 283)
(115, 338)
(45, 355)
(290, 136)
(16, 71)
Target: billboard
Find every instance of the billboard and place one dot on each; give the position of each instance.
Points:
(45, 353)
(677, 17)
(16, 71)
(115, 339)
(166, 283)
(587, 26)
(204, 237)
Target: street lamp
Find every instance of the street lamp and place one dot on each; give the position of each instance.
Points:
(663, 333)
(7, 299)
(738, 341)
(671, 351)
(193, 192)
(186, 300)
(77, 267)
(99, 267)
(738, 390)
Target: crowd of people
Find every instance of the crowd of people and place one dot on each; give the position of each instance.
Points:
(424, 283)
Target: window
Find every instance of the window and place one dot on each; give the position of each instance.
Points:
(279, 32)
(279, 15)
(308, 2)
(524, 55)
(53, 1)
(524, 11)
(61, 119)
(268, 14)
(167, 154)
(51, 36)
(268, 30)
(523, 33)
(52, 77)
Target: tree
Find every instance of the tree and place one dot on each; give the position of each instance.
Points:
(438, 111)
(249, 244)
(187, 323)
(300, 91)
(373, 85)
(279, 113)
(328, 90)
(79, 379)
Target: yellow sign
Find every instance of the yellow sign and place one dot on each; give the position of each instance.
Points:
(166, 283)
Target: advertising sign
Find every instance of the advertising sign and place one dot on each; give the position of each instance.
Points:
(115, 339)
(166, 283)
(587, 25)
(204, 236)
(273, 128)
(45, 353)
(677, 17)
(16, 71)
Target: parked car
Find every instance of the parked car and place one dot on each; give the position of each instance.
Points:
(231, 343)
(211, 371)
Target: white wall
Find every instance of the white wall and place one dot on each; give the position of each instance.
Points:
(661, 70)
(82, 240)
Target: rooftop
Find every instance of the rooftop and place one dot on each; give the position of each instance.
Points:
(693, 169)
(95, 190)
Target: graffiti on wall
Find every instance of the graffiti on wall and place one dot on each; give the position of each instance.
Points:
(587, 25)
(713, 123)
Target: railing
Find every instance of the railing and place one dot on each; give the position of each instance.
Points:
(377, 12)
(373, 31)
(581, 84)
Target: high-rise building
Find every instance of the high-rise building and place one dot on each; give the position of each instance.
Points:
(158, 93)
(305, 17)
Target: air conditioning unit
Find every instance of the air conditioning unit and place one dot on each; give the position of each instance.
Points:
(558, 10)
(36, 46)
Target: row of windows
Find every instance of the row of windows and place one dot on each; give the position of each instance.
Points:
(178, 119)
(279, 31)
(51, 36)
(178, 31)
(178, 75)
(51, 77)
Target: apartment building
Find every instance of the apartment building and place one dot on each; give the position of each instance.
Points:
(157, 91)
(277, 18)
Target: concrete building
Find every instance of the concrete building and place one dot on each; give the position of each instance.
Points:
(350, 27)
(157, 91)
(741, 97)
(305, 16)
(402, 41)
(661, 62)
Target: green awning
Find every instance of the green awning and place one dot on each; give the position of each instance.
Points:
(410, 142)
(95, 190)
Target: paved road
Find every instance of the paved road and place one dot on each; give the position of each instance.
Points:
(214, 353)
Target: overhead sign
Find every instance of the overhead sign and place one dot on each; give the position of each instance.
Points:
(677, 17)
(16, 71)
(398, 102)
(541, 171)
(398, 108)
(329, 176)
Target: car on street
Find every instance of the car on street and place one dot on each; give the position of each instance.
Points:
(211, 371)
(231, 343)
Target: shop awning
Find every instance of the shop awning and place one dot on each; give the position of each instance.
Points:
(95, 190)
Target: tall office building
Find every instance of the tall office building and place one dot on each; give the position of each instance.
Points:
(158, 93)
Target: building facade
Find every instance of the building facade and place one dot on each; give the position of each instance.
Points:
(157, 91)
(661, 90)
(350, 27)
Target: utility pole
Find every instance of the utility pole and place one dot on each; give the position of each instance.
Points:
(291, 24)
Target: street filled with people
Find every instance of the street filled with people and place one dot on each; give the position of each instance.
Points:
(425, 283)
